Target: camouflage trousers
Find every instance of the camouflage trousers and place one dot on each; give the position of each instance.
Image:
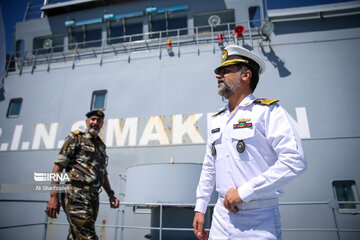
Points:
(81, 208)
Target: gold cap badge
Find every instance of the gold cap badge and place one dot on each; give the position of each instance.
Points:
(224, 55)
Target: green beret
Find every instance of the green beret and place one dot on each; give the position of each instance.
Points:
(98, 113)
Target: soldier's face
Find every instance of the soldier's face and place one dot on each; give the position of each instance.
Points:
(94, 124)
(228, 80)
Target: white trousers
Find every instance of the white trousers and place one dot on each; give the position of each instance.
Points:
(252, 224)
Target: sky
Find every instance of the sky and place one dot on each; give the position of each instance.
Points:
(13, 11)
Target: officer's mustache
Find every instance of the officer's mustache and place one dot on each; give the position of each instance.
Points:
(93, 130)
(94, 126)
(222, 80)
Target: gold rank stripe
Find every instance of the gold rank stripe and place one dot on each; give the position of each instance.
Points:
(228, 62)
(266, 101)
(218, 113)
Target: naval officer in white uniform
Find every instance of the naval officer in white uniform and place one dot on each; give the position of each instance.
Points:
(252, 151)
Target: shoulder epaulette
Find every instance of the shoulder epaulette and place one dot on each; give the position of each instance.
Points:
(218, 113)
(264, 101)
(76, 132)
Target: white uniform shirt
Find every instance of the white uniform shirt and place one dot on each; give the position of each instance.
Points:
(273, 153)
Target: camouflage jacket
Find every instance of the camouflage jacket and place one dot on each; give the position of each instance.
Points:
(85, 158)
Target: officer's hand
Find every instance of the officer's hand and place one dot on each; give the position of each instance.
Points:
(53, 207)
(114, 202)
(231, 199)
(198, 226)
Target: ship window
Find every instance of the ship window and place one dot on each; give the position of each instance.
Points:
(44, 44)
(76, 37)
(220, 20)
(118, 29)
(85, 36)
(14, 108)
(167, 22)
(20, 47)
(345, 190)
(93, 35)
(254, 16)
(98, 100)
(134, 26)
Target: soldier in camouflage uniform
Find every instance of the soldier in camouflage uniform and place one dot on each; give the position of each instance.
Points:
(83, 155)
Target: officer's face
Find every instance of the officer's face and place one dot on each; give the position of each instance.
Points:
(228, 80)
(94, 124)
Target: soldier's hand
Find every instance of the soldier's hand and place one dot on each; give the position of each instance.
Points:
(231, 199)
(114, 202)
(198, 226)
(53, 207)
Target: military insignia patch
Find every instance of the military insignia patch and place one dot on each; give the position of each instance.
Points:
(244, 120)
(242, 125)
(224, 55)
(240, 146)
(213, 150)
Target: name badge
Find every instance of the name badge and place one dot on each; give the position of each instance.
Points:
(215, 130)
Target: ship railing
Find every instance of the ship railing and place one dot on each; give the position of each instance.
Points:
(32, 11)
(332, 204)
(154, 43)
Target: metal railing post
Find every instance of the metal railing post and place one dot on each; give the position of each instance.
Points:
(34, 61)
(49, 60)
(229, 33)
(160, 224)
(22, 63)
(178, 39)
(160, 45)
(252, 45)
(102, 51)
(45, 226)
(333, 204)
(197, 39)
(129, 50)
(122, 210)
(336, 225)
(9, 63)
(75, 51)
(212, 38)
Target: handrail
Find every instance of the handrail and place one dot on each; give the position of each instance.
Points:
(68, 51)
(332, 203)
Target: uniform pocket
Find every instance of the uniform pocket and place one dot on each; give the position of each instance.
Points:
(215, 140)
(88, 148)
(243, 133)
(214, 136)
(242, 140)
